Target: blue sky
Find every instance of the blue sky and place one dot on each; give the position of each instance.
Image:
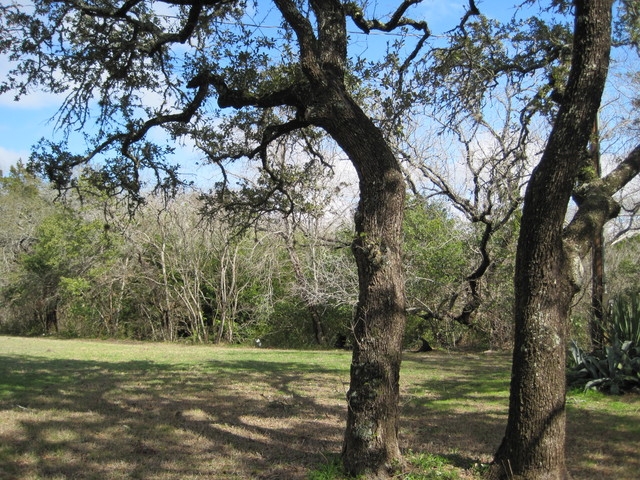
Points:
(24, 123)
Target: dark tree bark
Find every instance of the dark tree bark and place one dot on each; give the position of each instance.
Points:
(371, 438)
(424, 347)
(51, 316)
(534, 443)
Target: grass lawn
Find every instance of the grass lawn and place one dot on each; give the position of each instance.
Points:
(72, 409)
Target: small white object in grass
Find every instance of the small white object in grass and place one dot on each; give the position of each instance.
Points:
(258, 343)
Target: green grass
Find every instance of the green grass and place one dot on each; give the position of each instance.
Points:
(116, 410)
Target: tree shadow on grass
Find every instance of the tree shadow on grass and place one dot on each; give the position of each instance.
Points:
(252, 419)
(462, 415)
(87, 419)
(460, 411)
(602, 442)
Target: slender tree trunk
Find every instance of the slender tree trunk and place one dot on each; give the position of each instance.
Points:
(307, 293)
(227, 294)
(534, 444)
(596, 322)
(167, 314)
(121, 293)
(318, 328)
(51, 315)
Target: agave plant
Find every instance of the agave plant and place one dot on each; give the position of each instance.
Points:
(615, 370)
(624, 318)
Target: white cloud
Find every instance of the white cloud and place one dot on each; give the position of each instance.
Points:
(9, 158)
(33, 101)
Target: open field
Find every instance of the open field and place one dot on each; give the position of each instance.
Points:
(72, 409)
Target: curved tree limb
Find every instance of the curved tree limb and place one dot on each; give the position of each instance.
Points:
(236, 98)
(397, 20)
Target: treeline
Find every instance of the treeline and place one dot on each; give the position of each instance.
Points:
(86, 268)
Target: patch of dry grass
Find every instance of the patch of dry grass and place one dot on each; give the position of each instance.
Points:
(73, 409)
(104, 410)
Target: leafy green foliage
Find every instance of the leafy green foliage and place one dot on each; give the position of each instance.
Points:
(616, 368)
(58, 270)
(436, 262)
(165, 275)
(627, 26)
(529, 52)
(435, 248)
(623, 266)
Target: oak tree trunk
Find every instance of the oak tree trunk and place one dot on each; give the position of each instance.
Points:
(371, 438)
(533, 447)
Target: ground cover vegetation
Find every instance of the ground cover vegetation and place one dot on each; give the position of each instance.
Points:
(519, 99)
(105, 409)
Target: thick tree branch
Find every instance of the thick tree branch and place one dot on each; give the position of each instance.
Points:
(271, 134)
(235, 98)
(623, 173)
(332, 35)
(162, 38)
(597, 205)
(397, 20)
(184, 34)
(303, 30)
